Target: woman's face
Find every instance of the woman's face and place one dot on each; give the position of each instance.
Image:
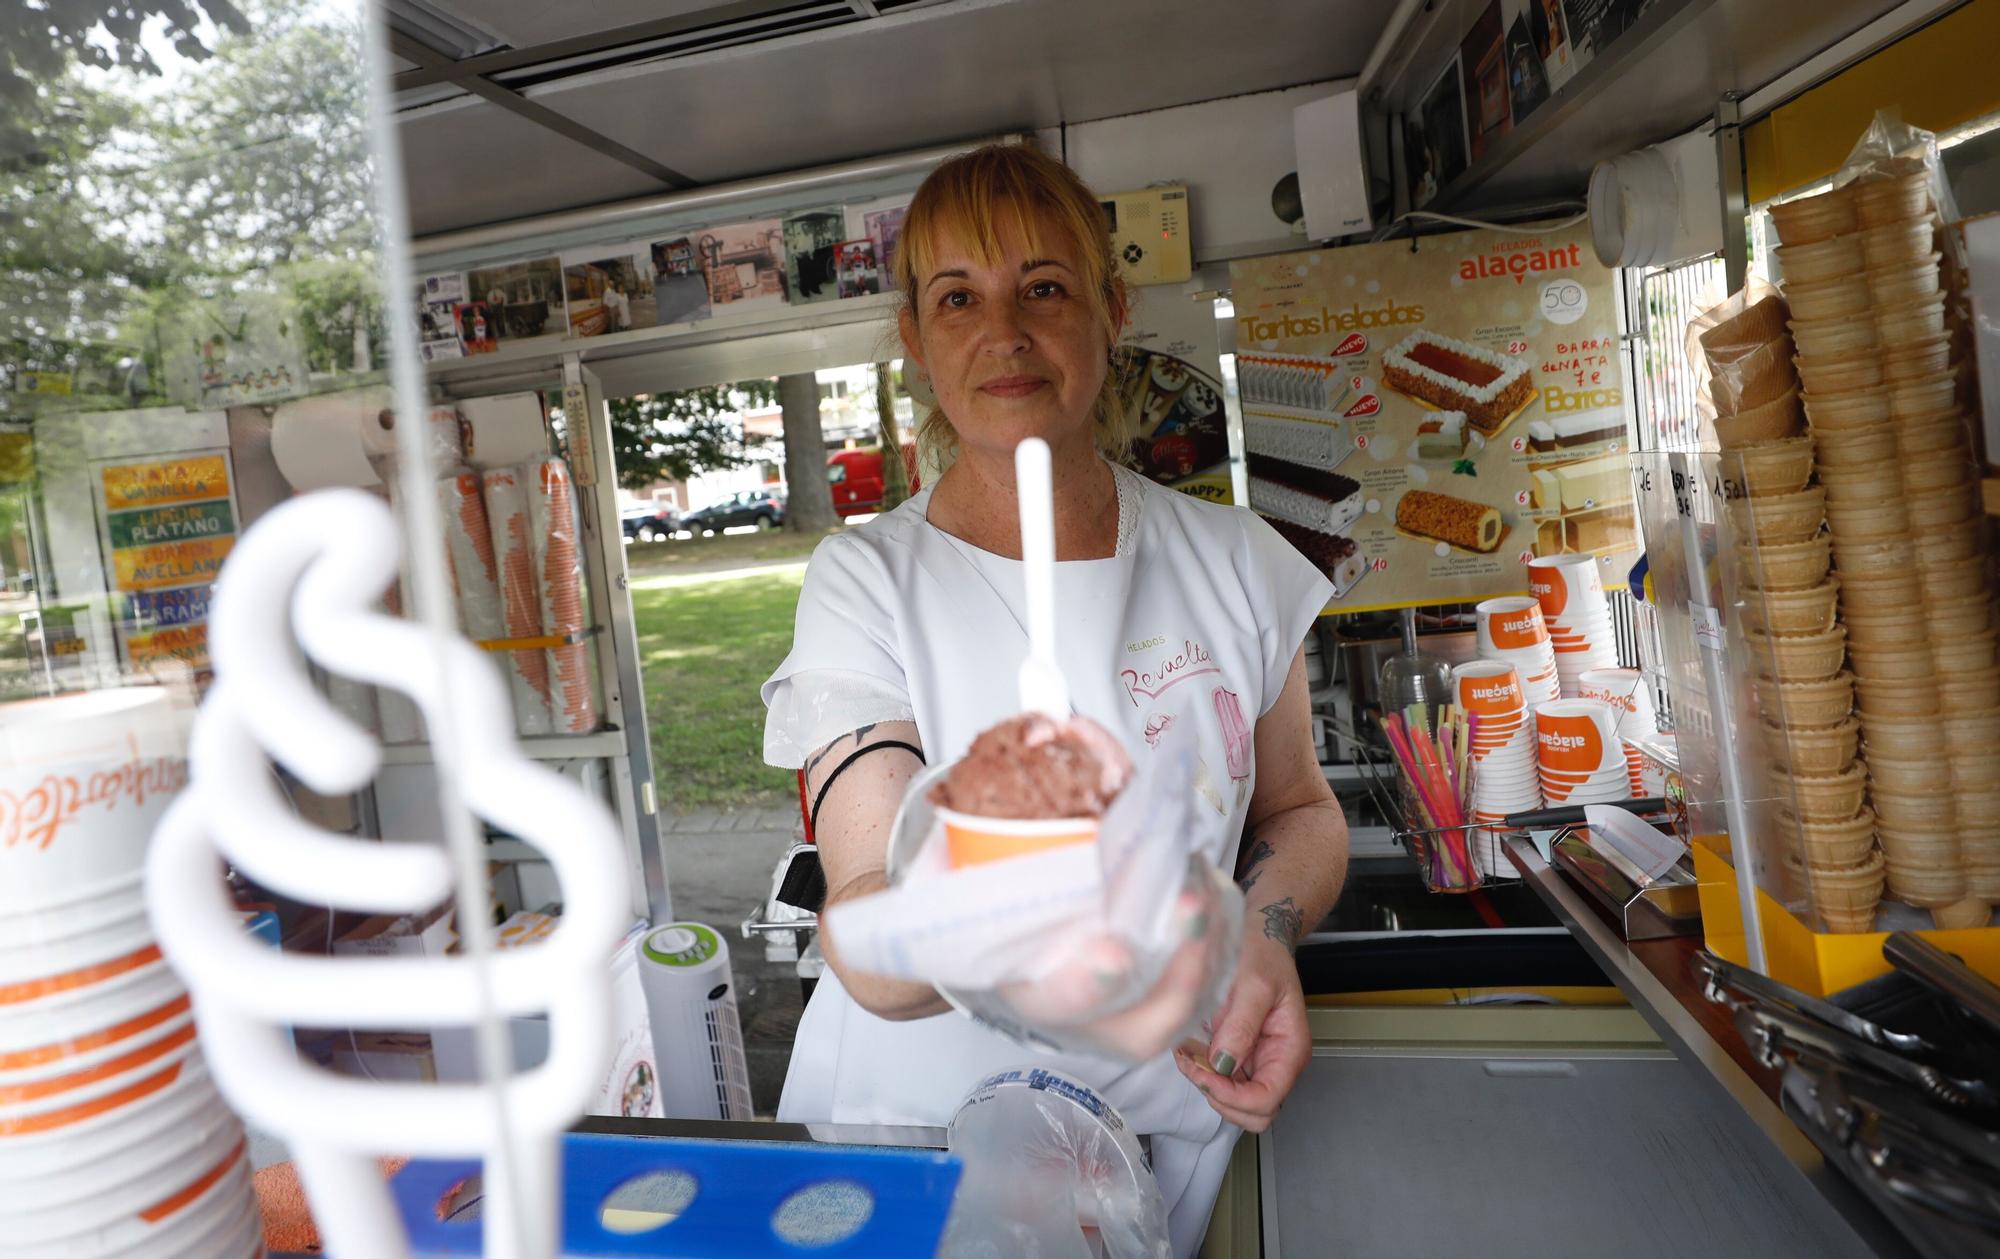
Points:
(1013, 350)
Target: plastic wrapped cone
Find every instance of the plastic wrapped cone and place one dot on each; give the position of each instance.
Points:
(559, 577)
(514, 555)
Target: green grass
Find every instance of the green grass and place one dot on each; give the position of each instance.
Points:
(722, 551)
(704, 649)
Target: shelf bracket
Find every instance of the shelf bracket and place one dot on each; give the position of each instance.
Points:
(1735, 191)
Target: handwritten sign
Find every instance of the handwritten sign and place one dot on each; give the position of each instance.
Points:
(169, 523)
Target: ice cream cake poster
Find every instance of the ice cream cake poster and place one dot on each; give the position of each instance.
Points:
(1423, 418)
(1168, 367)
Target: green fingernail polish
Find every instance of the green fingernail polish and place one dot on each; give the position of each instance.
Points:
(1225, 1064)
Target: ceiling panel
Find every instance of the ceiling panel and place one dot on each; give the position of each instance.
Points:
(963, 69)
(471, 162)
(525, 23)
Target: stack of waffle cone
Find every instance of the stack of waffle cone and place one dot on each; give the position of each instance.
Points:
(1893, 455)
(1806, 699)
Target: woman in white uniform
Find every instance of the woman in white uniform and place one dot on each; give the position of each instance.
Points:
(1173, 611)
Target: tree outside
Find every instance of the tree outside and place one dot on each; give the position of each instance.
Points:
(808, 500)
(676, 436)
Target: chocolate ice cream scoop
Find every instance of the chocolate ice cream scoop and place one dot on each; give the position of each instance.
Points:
(1032, 767)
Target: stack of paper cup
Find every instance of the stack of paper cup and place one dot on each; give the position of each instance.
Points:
(1504, 775)
(1582, 760)
(1512, 630)
(1626, 691)
(113, 1140)
(1570, 589)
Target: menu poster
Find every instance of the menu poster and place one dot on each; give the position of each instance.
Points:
(1482, 60)
(1422, 418)
(438, 299)
(168, 524)
(1549, 30)
(1168, 367)
(1595, 24)
(1434, 148)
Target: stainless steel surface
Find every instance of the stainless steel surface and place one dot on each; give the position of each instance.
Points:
(1699, 1050)
(1735, 196)
(1649, 911)
(1945, 975)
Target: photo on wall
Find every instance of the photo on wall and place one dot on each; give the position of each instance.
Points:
(1434, 138)
(680, 289)
(523, 299)
(860, 273)
(1551, 35)
(1483, 67)
(1527, 77)
(437, 329)
(885, 228)
(812, 241)
(475, 328)
(742, 263)
(608, 294)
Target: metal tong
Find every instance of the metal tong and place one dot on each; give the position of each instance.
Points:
(1720, 977)
(1945, 975)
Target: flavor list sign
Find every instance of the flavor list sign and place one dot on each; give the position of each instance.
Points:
(1421, 419)
(168, 525)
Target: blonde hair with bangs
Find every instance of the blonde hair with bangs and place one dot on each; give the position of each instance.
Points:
(974, 200)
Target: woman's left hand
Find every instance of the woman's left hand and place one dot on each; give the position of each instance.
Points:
(1261, 1041)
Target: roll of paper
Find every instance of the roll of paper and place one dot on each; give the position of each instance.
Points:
(504, 431)
(441, 437)
(475, 574)
(321, 442)
(521, 607)
(559, 574)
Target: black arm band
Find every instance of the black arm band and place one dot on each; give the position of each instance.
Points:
(820, 798)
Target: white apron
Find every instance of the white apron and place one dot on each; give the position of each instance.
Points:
(1196, 622)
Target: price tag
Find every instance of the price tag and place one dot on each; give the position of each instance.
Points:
(1707, 626)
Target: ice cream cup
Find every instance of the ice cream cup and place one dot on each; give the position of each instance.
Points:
(1975, 726)
(1815, 218)
(1570, 588)
(1912, 811)
(1786, 565)
(1971, 692)
(1925, 886)
(1825, 797)
(1829, 750)
(1794, 611)
(1578, 737)
(1889, 665)
(1917, 847)
(1844, 842)
(119, 755)
(1901, 283)
(1970, 912)
(1849, 889)
(1510, 624)
(1781, 517)
(51, 929)
(45, 1066)
(1868, 518)
(1863, 556)
(1896, 697)
(1952, 546)
(1909, 325)
(1903, 241)
(1931, 510)
(1983, 881)
(1893, 774)
(1850, 411)
(1799, 657)
(1952, 583)
(1885, 627)
(194, 1220)
(1923, 395)
(26, 1101)
(1914, 362)
(1763, 375)
(1875, 592)
(1938, 470)
(1837, 297)
(1893, 199)
(1978, 807)
(1962, 614)
(1777, 467)
(1866, 482)
(1823, 338)
(1824, 703)
(1836, 450)
(1966, 653)
(145, 1172)
(1771, 421)
(1491, 689)
(1811, 262)
(1921, 434)
(1740, 335)
(38, 964)
(972, 840)
(1836, 373)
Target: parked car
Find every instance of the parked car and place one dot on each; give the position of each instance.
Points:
(648, 524)
(855, 478)
(764, 508)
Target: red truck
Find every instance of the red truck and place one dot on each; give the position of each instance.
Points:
(855, 477)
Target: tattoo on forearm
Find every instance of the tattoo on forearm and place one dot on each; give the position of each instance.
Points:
(1248, 872)
(1283, 921)
(842, 744)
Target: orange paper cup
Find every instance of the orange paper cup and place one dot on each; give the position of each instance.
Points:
(972, 840)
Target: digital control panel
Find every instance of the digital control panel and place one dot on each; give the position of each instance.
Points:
(1149, 235)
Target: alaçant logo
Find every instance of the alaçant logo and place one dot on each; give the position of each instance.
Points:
(1329, 320)
(1519, 266)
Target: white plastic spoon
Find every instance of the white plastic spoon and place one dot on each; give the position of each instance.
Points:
(1043, 688)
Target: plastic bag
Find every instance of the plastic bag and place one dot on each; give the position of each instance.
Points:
(1892, 149)
(1120, 947)
(1034, 1142)
(1741, 355)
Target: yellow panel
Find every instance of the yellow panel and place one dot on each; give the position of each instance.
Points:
(1939, 77)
